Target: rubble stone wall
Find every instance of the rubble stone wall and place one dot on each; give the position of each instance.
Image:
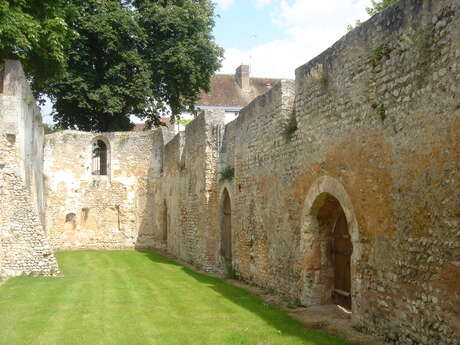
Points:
(102, 211)
(24, 247)
(371, 124)
(369, 129)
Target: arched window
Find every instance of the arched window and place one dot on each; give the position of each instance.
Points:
(99, 158)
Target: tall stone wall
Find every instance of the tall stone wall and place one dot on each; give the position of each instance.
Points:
(369, 127)
(24, 247)
(368, 131)
(110, 211)
(190, 192)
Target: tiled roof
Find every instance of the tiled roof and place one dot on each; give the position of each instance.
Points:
(140, 127)
(225, 91)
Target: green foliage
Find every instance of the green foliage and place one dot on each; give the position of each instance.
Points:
(49, 129)
(36, 33)
(129, 297)
(379, 5)
(419, 38)
(227, 174)
(380, 110)
(357, 24)
(290, 127)
(184, 121)
(380, 52)
(101, 61)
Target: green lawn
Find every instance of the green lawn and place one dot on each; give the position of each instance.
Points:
(129, 298)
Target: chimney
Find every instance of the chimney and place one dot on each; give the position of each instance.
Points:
(242, 77)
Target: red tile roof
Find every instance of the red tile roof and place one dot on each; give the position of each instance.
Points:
(226, 92)
(140, 127)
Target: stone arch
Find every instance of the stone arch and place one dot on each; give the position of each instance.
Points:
(101, 156)
(325, 201)
(226, 236)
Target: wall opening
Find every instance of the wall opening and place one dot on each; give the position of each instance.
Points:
(71, 218)
(329, 269)
(336, 263)
(165, 224)
(100, 158)
(226, 230)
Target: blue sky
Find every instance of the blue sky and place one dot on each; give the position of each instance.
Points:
(276, 36)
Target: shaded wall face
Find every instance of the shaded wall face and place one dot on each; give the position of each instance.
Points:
(378, 113)
(189, 190)
(24, 247)
(115, 210)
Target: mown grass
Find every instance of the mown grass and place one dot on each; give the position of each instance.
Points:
(140, 298)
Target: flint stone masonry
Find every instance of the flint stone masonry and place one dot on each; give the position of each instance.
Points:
(96, 211)
(24, 248)
(377, 128)
(368, 131)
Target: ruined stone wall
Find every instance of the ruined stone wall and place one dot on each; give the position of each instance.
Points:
(189, 190)
(102, 211)
(24, 248)
(369, 129)
(370, 126)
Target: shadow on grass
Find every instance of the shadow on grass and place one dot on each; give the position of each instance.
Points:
(278, 319)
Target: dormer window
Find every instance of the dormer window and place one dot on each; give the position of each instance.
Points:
(100, 158)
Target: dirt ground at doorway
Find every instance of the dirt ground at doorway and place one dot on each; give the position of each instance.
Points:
(332, 319)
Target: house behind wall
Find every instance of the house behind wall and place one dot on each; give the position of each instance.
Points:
(365, 140)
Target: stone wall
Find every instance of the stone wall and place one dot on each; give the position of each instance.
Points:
(369, 128)
(368, 131)
(190, 192)
(116, 210)
(24, 248)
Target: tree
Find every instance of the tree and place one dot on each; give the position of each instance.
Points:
(50, 128)
(379, 5)
(36, 33)
(145, 58)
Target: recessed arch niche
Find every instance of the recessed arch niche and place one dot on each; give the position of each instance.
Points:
(330, 246)
(226, 250)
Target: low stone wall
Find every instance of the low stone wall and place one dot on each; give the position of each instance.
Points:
(24, 248)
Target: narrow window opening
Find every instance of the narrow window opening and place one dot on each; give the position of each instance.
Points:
(99, 158)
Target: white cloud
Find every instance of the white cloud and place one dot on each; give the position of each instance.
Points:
(262, 3)
(225, 3)
(310, 28)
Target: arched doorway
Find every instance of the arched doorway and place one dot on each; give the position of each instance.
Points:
(165, 224)
(335, 271)
(330, 246)
(226, 230)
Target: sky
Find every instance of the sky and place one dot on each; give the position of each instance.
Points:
(276, 36)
